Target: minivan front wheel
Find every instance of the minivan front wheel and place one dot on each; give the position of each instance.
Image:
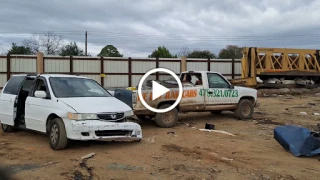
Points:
(57, 135)
(7, 128)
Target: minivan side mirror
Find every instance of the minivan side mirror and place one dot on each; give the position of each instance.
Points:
(40, 94)
(231, 86)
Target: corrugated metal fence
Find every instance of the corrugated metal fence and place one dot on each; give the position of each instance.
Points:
(112, 72)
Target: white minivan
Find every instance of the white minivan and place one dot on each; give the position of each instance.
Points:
(66, 107)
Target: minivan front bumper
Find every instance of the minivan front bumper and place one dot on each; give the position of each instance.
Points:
(102, 130)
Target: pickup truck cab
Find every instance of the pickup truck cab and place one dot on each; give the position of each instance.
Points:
(202, 91)
(65, 107)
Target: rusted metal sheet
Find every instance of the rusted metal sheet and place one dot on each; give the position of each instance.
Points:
(3, 80)
(173, 66)
(88, 66)
(115, 66)
(197, 66)
(3, 64)
(116, 81)
(142, 66)
(22, 64)
(56, 65)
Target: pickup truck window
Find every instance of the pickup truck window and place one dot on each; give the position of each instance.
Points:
(13, 85)
(64, 87)
(194, 78)
(216, 81)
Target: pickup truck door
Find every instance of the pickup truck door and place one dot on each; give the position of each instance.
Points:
(219, 92)
(36, 112)
(8, 99)
(191, 97)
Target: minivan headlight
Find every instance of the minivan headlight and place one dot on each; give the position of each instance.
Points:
(82, 116)
(128, 113)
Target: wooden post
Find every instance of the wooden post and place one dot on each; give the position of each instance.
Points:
(8, 66)
(183, 64)
(40, 63)
(209, 65)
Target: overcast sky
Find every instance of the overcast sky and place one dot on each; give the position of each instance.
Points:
(137, 27)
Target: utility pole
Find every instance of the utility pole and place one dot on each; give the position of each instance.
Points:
(86, 43)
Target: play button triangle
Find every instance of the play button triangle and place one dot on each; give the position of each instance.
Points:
(158, 90)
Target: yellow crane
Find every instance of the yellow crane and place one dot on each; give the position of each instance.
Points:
(279, 67)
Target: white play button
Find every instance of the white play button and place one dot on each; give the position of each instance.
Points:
(158, 90)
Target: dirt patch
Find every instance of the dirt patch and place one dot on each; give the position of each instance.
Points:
(185, 151)
(268, 121)
(185, 154)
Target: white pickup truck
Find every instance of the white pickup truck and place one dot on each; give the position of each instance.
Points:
(202, 91)
(65, 107)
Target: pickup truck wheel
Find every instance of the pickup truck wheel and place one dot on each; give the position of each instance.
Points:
(57, 135)
(7, 128)
(244, 110)
(216, 112)
(168, 119)
(145, 117)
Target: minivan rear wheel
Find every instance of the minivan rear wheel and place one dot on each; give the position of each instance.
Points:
(7, 128)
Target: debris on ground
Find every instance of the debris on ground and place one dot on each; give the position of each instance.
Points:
(303, 113)
(312, 104)
(217, 131)
(316, 114)
(116, 166)
(171, 133)
(209, 126)
(299, 141)
(268, 121)
(88, 156)
(150, 139)
(226, 159)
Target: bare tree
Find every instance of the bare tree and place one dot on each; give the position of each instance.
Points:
(49, 42)
(33, 43)
(184, 52)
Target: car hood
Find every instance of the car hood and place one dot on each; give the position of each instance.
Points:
(96, 104)
(245, 89)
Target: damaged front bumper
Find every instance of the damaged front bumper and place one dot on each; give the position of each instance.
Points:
(103, 131)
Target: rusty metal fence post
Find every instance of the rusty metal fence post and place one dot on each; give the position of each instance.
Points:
(232, 68)
(8, 66)
(130, 72)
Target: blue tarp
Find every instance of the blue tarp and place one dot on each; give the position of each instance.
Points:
(298, 140)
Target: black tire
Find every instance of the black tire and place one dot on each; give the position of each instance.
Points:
(216, 112)
(145, 117)
(168, 119)
(57, 134)
(7, 128)
(244, 110)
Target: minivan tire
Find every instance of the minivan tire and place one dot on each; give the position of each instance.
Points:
(244, 110)
(57, 134)
(167, 119)
(7, 128)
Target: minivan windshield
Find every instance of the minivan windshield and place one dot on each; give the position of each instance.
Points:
(65, 87)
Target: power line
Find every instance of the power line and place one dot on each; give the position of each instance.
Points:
(199, 37)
